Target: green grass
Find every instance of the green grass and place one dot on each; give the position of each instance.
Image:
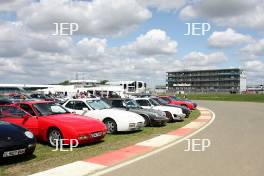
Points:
(45, 159)
(227, 97)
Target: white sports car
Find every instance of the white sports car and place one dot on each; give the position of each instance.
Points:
(173, 113)
(114, 119)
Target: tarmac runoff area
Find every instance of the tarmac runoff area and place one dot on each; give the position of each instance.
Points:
(114, 160)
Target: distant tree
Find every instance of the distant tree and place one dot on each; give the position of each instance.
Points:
(104, 82)
(66, 82)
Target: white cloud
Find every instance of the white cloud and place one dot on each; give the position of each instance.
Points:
(219, 8)
(255, 71)
(12, 38)
(15, 38)
(13, 5)
(163, 4)
(199, 60)
(228, 38)
(148, 58)
(254, 65)
(48, 43)
(11, 66)
(60, 58)
(188, 12)
(97, 17)
(154, 42)
(256, 49)
(92, 47)
(231, 13)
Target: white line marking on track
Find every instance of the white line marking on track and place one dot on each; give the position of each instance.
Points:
(204, 117)
(195, 125)
(78, 168)
(159, 140)
(205, 113)
(202, 109)
(110, 169)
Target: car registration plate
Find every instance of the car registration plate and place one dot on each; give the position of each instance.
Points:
(14, 153)
(97, 134)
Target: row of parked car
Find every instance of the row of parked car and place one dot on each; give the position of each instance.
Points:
(85, 120)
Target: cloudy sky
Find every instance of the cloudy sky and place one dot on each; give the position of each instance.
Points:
(128, 39)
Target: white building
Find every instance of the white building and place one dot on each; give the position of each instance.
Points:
(122, 88)
(130, 87)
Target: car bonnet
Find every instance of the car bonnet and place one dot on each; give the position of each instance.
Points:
(77, 122)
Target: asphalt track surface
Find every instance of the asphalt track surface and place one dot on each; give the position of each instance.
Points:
(237, 147)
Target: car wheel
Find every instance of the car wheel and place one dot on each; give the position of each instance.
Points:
(30, 153)
(54, 137)
(147, 121)
(111, 126)
(169, 116)
(184, 105)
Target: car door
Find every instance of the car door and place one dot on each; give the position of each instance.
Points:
(144, 104)
(117, 104)
(14, 114)
(76, 106)
(69, 105)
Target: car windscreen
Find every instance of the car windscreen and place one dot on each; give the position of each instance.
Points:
(49, 109)
(157, 100)
(165, 98)
(5, 101)
(132, 104)
(175, 98)
(153, 102)
(161, 101)
(98, 104)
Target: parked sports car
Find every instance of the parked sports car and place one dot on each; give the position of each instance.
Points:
(177, 101)
(5, 101)
(163, 102)
(42, 97)
(16, 97)
(186, 100)
(152, 117)
(15, 140)
(173, 113)
(114, 119)
(51, 122)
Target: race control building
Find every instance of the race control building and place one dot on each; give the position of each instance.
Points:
(220, 80)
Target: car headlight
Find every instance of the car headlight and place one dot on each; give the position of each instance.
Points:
(132, 125)
(29, 134)
(156, 116)
(82, 137)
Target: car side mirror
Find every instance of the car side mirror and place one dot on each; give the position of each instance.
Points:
(26, 116)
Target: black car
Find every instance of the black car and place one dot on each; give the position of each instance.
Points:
(43, 97)
(152, 117)
(15, 141)
(163, 102)
(5, 101)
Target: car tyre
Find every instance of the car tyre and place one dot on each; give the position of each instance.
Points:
(54, 135)
(147, 120)
(111, 126)
(184, 105)
(169, 116)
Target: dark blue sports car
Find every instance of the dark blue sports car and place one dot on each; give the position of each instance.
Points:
(15, 140)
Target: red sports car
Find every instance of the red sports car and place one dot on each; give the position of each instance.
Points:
(177, 101)
(51, 122)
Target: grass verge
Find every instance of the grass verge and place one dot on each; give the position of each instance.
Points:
(259, 98)
(44, 158)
